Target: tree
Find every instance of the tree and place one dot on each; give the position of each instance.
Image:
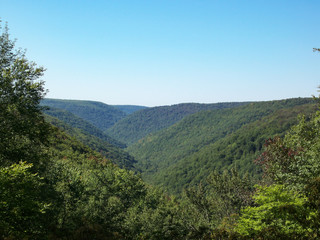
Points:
(22, 209)
(23, 131)
(294, 161)
(23, 137)
(279, 214)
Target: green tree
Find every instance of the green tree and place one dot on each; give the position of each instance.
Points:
(231, 192)
(279, 214)
(23, 131)
(23, 138)
(294, 161)
(22, 209)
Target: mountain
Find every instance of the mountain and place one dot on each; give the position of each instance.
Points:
(79, 123)
(101, 144)
(141, 123)
(186, 152)
(128, 109)
(99, 114)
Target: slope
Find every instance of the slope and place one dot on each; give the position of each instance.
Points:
(129, 109)
(146, 121)
(100, 144)
(99, 114)
(159, 152)
(238, 149)
(79, 123)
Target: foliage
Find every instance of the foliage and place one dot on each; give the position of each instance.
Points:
(294, 160)
(23, 130)
(231, 192)
(204, 209)
(22, 207)
(91, 190)
(279, 214)
(157, 216)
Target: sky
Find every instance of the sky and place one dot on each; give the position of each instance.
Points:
(164, 52)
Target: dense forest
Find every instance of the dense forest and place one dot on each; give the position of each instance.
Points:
(87, 170)
(189, 150)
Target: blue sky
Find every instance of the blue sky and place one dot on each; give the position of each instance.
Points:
(166, 52)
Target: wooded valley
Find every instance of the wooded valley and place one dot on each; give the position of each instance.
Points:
(72, 169)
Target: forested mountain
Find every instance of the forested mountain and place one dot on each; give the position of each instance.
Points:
(128, 109)
(101, 115)
(100, 144)
(77, 122)
(189, 150)
(141, 123)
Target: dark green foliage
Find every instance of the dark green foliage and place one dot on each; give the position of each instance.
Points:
(22, 206)
(23, 131)
(139, 124)
(231, 192)
(205, 209)
(93, 194)
(101, 115)
(157, 216)
(188, 151)
(23, 138)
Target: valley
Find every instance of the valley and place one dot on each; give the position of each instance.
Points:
(178, 146)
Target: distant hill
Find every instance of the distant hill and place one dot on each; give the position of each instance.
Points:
(150, 120)
(128, 109)
(186, 152)
(101, 115)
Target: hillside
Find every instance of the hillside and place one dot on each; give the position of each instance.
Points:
(99, 144)
(187, 151)
(77, 122)
(150, 120)
(129, 109)
(238, 149)
(101, 115)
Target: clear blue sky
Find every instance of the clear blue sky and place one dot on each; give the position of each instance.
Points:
(170, 51)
